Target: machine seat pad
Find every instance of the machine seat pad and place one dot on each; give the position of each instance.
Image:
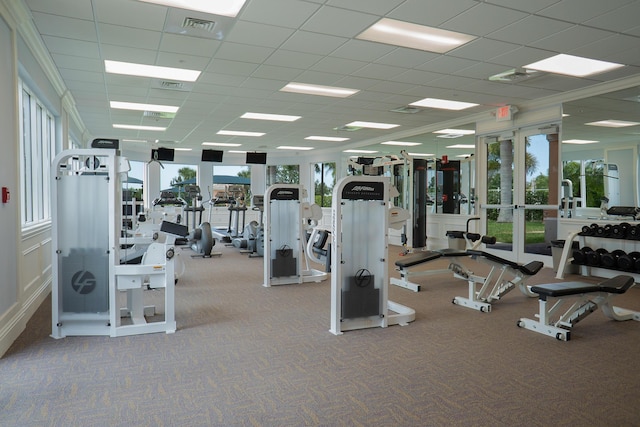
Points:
(531, 268)
(418, 258)
(494, 258)
(616, 285)
(563, 289)
(449, 252)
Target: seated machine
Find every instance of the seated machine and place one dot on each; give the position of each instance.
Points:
(359, 270)
(562, 305)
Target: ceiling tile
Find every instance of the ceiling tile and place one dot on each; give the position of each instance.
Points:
(72, 47)
(127, 13)
(130, 37)
(483, 19)
(61, 26)
(259, 34)
(430, 12)
(361, 50)
(339, 22)
(175, 43)
(529, 29)
(291, 59)
(243, 52)
(80, 9)
(579, 11)
(305, 41)
(569, 39)
(281, 13)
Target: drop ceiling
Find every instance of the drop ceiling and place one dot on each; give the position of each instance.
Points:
(274, 42)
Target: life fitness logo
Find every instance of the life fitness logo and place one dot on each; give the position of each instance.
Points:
(83, 282)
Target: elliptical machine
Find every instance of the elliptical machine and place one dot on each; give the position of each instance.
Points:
(252, 239)
(200, 239)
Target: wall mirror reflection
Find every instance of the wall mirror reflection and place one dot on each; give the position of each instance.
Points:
(600, 138)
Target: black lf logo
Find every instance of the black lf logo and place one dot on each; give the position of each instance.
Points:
(83, 282)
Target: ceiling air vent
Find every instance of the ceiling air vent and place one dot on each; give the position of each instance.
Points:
(159, 115)
(165, 84)
(406, 110)
(513, 76)
(347, 128)
(199, 24)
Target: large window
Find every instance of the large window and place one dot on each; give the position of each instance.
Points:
(324, 179)
(283, 174)
(37, 148)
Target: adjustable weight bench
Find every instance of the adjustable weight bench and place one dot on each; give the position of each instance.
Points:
(502, 278)
(404, 266)
(583, 299)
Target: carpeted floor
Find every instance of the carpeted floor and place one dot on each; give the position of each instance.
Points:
(246, 355)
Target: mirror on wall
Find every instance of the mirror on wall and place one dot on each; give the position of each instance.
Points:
(450, 156)
(600, 140)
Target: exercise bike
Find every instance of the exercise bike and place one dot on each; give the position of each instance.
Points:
(200, 239)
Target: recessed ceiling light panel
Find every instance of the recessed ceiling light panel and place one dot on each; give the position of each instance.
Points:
(221, 144)
(274, 117)
(311, 89)
(360, 151)
(290, 147)
(612, 123)
(372, 125)
(224, 8)
(406, 34)
(153, 71)
(137, 127)
(575, 66)
(239, 133)
(401, 143)
(579, 141)
(443, 104)
(326, 138)
(143, 107)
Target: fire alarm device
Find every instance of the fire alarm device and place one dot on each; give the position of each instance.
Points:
(5, 195)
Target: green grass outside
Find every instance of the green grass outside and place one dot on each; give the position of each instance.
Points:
(503, 231)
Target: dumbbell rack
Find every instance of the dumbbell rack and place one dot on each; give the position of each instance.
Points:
(618, 238)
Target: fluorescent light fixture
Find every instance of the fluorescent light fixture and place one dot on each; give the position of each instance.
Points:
(372, 125)
(290, 147)
(143, 107)
(137, 141)
(154, 71)
(461, 146)
(443, 104)
(309, 89)
(183, 149)
(414, 36)
(402, 143)
(421, 154)
(456, 131)
(326, 138)
(579, 141)
(136, 127)
(575, 66)
(221, 144)
(239, 133)
(274, 117)
(237, 151)
(225, 8)
(360, 151)
(613, 123)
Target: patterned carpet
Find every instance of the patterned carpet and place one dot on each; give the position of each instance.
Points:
(246, 355)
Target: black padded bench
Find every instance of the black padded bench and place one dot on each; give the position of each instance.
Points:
(582, 299)
(404, 265)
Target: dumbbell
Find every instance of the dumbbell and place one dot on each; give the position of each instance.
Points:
(589, 230)
(617, 231)
(625, 226)
(633, 232)
(594, 258)
(625, 262)
(635, 256)
(580, 255)
(610, 259)
(602, 231)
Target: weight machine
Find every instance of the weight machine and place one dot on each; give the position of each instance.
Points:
(359, 270)
(288, 217)
(89, 282)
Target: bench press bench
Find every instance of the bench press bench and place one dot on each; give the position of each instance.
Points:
(582, 299)
(404, 266)
(502, 278)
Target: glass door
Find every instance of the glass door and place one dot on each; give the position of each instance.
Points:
(521, 196)
(499, 206)
(537, 199)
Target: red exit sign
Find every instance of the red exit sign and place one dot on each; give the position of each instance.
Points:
(503, 113)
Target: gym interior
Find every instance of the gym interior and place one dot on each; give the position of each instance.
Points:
(319, 216)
